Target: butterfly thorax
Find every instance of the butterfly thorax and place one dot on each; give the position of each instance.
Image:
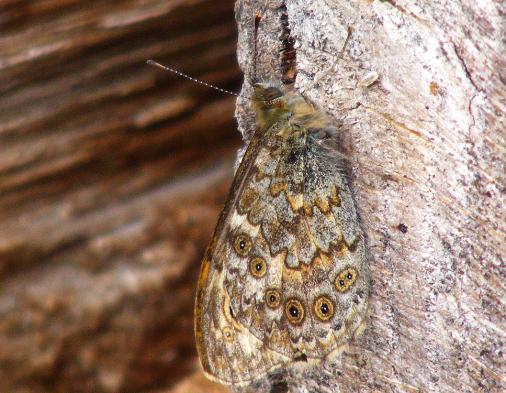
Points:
(274, 103)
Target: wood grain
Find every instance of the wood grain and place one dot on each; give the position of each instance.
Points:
(112, 174)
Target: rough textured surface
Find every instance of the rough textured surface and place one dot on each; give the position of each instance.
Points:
(427, 146)
(112, 175)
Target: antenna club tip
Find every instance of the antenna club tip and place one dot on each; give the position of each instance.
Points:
(150, 62)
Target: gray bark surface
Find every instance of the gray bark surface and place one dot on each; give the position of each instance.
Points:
(426, 143)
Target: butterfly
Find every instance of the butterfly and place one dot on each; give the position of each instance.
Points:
(285, 277)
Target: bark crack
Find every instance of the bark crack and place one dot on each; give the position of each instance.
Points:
(404, 11)
(397, 124)
(458, 53)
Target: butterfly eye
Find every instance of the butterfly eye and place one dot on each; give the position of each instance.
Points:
(345, 279)
(324, 308)
(294, 311)
(242, 244)
(271, 94)
(272, 298)
(258, 267)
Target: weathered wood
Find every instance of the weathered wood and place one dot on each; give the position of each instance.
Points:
(427, 149)
(112, 174)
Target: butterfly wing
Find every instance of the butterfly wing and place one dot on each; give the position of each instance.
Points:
(301, 220)
(228, 351)
(285, 276)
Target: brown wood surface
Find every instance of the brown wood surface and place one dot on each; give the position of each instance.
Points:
(112, 174)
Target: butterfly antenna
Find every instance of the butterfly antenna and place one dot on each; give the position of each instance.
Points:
(163, 67)
(339, 55)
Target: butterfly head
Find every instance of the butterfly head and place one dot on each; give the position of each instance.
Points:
(271, 103)
(274, 103)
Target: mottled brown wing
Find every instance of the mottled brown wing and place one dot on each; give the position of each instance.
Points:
(228, 351)
(307, 250)
(286, 273)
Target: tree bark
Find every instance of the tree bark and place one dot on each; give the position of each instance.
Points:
(426, 142)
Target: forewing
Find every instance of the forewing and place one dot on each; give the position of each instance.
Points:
(227, 349)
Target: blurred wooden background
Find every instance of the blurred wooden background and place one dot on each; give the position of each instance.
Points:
(112, 175)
